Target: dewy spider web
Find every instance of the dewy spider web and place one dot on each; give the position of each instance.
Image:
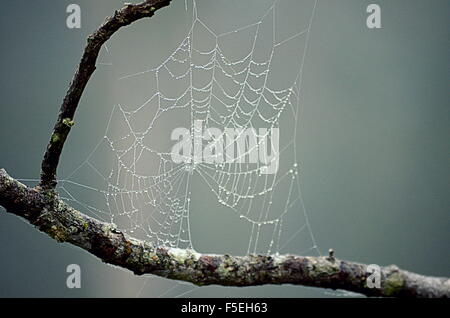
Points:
(149, 196)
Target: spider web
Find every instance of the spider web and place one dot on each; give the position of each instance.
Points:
(236, 79)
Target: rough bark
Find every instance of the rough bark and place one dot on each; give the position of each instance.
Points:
(121, 18)
(42, 207)
(49, 214)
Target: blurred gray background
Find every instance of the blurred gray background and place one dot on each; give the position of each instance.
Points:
(372, 142)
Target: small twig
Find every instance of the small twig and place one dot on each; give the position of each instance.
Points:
(331, 254)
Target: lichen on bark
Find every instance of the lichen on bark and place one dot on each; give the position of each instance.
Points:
(42, 207)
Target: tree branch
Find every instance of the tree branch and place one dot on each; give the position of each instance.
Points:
(121, 18)
(42, 207)
(63, 223)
